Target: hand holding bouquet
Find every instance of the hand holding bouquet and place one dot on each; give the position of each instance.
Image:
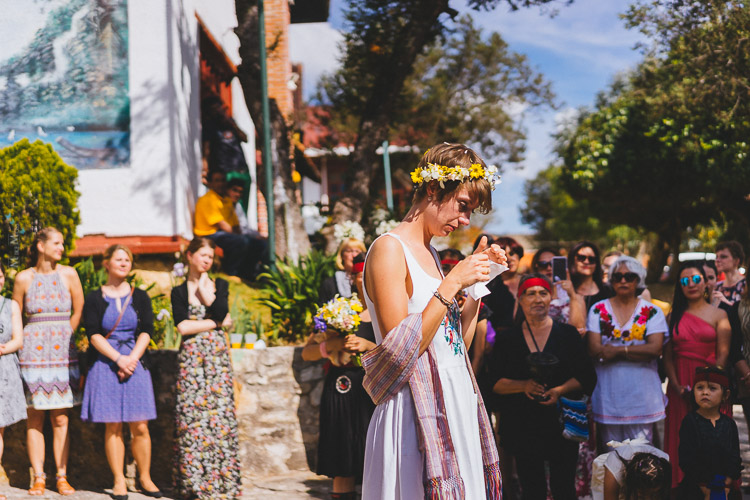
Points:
(338, 316)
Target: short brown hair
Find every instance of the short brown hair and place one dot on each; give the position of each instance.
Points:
(734, 248)
(452, 155)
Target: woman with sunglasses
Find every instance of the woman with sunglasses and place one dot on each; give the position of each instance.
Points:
(700, 336)
(626, 335)
(585, 269)
(566, 306)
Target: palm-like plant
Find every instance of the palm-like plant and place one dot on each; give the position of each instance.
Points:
(292, 293)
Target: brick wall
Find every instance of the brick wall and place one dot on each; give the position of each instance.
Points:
(277, 46)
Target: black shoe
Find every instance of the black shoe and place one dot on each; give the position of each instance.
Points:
(152, 494)
(119, 497)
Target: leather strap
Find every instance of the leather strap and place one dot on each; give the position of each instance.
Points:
(122, 312)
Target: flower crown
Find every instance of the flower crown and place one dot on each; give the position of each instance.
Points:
(441, 173)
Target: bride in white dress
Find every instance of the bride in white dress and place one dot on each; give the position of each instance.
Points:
(403, 277)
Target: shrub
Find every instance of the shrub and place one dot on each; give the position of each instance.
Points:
(37, 189)
(292, 294)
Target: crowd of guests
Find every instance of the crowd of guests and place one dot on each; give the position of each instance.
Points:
(571, 369)
(112, 382)
(570, 365)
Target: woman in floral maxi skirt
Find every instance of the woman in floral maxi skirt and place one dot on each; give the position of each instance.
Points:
(206, 439)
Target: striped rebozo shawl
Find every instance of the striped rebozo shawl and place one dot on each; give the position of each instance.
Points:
(396, 362)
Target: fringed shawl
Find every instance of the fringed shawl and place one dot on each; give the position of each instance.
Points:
(396, 362)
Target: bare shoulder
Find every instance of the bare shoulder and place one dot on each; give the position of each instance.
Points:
(386, 255)
(719, 314)
(23, 278)
(68, 272)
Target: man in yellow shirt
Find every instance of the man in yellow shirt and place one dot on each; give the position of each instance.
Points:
(216, 219)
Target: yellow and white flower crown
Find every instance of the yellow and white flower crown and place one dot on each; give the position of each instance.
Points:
(441, 173)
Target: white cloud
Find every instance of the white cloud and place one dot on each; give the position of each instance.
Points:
(315, 45)
(564, 118)
(586, 32)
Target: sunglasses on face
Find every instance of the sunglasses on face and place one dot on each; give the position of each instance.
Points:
(543, 264)
(695, 279)
(628, 277)
(589, 259)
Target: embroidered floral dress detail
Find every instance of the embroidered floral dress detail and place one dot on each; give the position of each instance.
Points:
(637, 330)
(452, 324)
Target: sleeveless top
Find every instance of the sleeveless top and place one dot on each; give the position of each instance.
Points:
(423, 285)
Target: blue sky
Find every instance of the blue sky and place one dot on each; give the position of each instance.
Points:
(579, 50)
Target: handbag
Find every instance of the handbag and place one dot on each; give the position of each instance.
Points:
(91, 352)
(574, 418)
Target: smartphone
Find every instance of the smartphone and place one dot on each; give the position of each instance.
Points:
(559, 269)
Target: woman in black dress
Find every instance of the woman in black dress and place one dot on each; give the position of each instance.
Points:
(530, 428)
(345, 407)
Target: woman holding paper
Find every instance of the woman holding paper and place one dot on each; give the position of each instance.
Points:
(421, 333)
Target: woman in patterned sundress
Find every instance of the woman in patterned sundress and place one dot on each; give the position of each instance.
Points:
(51, 298)
(206, 439)
(12, 401)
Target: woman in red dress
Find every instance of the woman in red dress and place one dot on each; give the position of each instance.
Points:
(699, 336)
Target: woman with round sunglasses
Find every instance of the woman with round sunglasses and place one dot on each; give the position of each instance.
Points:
(566, 306)
(626, 334)
(700, 335)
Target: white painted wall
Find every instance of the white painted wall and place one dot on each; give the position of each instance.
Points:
(157, 193)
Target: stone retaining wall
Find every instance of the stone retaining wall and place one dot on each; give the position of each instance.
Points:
(278, 396)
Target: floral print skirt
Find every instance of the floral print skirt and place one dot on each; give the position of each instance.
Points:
(206, 440)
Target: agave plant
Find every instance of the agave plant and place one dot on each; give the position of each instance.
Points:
(292, 293)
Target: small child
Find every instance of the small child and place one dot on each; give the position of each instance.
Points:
(709, 442)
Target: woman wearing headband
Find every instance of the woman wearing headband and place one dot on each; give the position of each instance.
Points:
(429, 435)
(566, 305)
(700, 336)
(626, 335)
(530, 429)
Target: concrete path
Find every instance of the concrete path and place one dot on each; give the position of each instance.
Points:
(306, 485)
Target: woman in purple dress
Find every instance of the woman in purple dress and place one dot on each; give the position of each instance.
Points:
(119, 322)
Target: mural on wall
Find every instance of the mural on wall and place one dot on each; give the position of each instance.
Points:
(64, 78)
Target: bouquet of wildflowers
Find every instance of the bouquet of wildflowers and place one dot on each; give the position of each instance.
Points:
(338, 316)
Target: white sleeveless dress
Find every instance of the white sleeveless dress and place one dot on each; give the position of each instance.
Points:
(394, 466)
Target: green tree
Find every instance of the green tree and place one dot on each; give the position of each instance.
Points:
(37, 189)
(466, 87)
(383, 41)
(666, 149)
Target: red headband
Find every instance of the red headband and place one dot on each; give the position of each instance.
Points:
(706, 376)
(358, 267)
(449, 262)
(534, 282)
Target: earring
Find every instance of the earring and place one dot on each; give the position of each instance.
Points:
(429, 198)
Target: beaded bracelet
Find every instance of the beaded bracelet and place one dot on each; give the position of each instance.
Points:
(446, 302)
